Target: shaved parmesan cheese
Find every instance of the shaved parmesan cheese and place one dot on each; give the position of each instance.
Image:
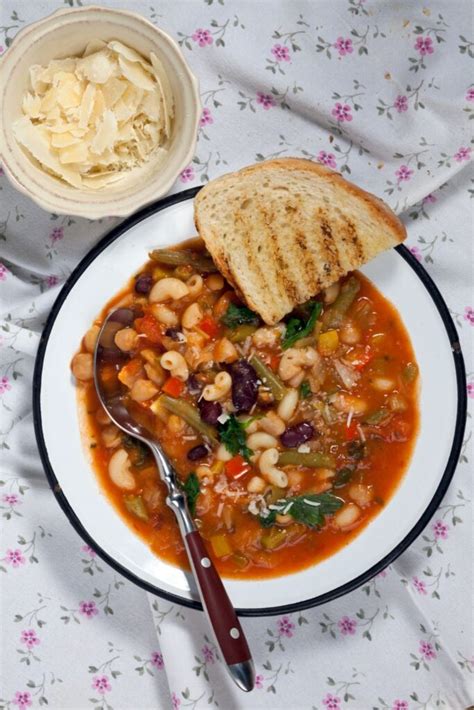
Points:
(90, 120)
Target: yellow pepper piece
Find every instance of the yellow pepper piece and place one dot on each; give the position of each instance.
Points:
(328, 342)
(220, 545)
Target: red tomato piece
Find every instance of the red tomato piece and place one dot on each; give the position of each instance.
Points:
(351, 432)
(149, 326)
(209, 326)
(173, 387)
(274, 362)
(237, 466)
(363, 359)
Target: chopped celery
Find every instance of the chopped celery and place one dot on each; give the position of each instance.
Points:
(136, 506)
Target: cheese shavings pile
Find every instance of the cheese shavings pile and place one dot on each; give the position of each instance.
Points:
(89, 120)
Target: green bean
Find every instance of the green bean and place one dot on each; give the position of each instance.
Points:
(184, 256)
(241, 332)
(273, 538)
(136, 506)
(190, 414)
(273, 382)
(313, 459)
(334, 315)
(380, 416)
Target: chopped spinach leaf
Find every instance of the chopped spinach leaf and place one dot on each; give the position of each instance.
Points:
(343, 476)
(305, 390)
(309, 509)
(138, 453)
(192, 489)
(237, 315)
(297, 329)
(232, 435)
(356, 450)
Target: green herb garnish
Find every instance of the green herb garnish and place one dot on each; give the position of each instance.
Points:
(305, 390)
(297, 329)
(237, 315)
(232, 435)
(343, 476)
(309, 509)
(192, 489)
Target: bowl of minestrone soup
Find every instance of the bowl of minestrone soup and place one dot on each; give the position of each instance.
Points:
(312, 453)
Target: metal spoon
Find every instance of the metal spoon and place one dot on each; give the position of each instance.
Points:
(220, 612)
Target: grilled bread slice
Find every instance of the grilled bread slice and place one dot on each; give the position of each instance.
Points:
(282, 230)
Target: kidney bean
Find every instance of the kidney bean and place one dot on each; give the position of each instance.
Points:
(244, 386)
(143, 284)
(197, 452)
(210, 411)
(297, 434)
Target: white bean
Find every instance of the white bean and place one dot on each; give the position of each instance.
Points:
(142, 390)
(222, 453)
(361, 494)
(347, 515)
(256, 485)
(383, 384)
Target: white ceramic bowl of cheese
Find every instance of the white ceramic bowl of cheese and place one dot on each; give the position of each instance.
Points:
(65, 34)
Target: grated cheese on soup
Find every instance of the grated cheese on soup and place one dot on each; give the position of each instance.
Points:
(89, 120)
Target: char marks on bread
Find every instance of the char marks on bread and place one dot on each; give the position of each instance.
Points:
(282, 230)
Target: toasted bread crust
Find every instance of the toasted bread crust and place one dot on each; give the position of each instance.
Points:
(298, 239)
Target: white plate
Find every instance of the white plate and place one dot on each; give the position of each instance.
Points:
(442, 408)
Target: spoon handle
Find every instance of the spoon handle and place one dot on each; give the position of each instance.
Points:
(221, 614)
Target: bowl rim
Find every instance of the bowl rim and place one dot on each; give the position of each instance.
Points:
(103, 209)
(461, 414)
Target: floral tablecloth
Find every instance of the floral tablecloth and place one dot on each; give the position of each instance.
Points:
(381, 91)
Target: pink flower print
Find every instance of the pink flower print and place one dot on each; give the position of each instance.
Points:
(343, 46)
(382, 574)
(285, 626)
(11, 499)
(470, 94)
(328, 159)
(157, 660)
(401, 104)
(88, 550)
(175, 701)
(342, 112)
(29, 638)
(259, 681)
(265, 100)
(468, 315)
(187, 174)
(400, 705)
(15, 558)
(202, 37)
(347, 626)
(56, 234)
(429, 199)
(470, 390)
(1, 52)
(101, 684)
(462, 154)
(332, 702)
(3, 272)
(206, 117)
(416, 252)
(51, 281)
(88, 609)
(403, 173)
(424, 45)
(4, 385)
(427, 650)
(281, 53)
(208, 654)
(440, 530)
(22, 699)
(419, 585)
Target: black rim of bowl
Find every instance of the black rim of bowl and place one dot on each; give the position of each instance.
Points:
(286, 608)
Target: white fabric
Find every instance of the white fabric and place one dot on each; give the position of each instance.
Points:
(77, 635)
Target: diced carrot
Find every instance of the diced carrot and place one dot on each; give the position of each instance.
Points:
(149, 326)
(237, 466)
(173, 387)
(351, 431)
(209, 326)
